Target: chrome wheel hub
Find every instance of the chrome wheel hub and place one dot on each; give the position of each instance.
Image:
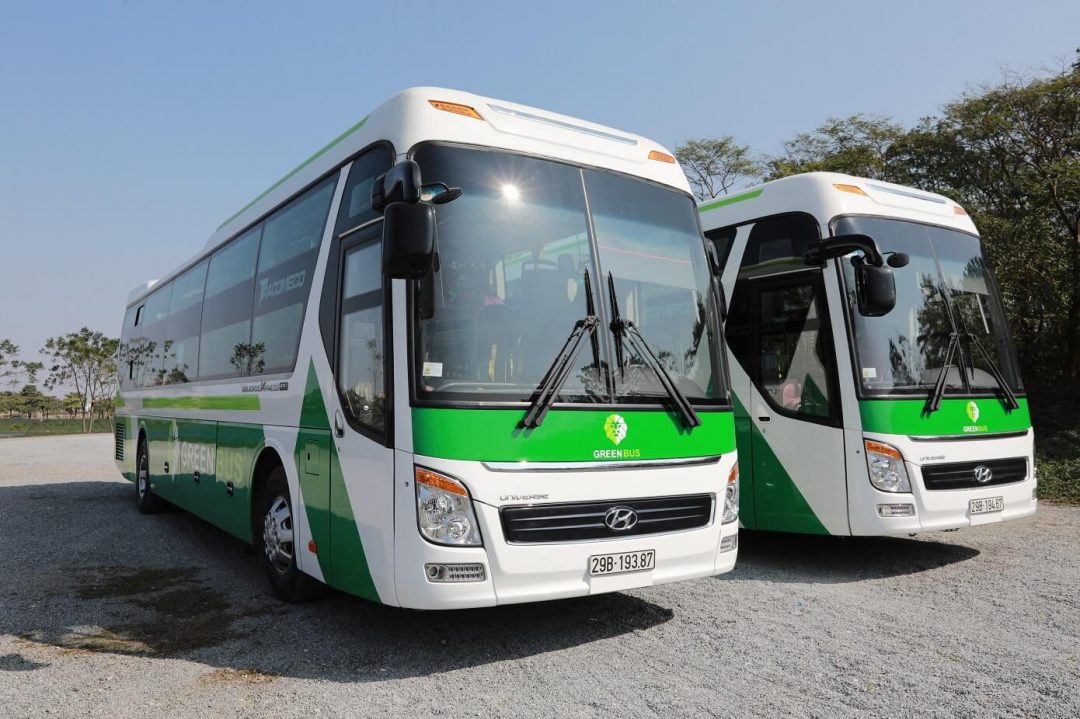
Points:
(278, 534)
(142, 478)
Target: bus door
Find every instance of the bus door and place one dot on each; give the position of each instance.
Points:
(791, 450)
(362, 477)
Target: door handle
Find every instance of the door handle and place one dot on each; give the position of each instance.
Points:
(764, 418)
(339, 423)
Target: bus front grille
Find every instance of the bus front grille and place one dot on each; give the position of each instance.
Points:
(586, 520)
(120, 435)
(962, 475)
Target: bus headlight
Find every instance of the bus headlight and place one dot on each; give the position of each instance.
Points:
(444, 511)
(731, 497)
(886, 465)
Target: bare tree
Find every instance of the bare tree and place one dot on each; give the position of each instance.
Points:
(715, 165)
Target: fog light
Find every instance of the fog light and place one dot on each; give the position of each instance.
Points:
(454, 572)
(729, 543)
(896, 510)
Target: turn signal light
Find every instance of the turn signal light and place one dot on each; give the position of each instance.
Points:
(853, 189)
(456, 108)
(958, 210)
(661, 157)
(438, 481)
(879, 448)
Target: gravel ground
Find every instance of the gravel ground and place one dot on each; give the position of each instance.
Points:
(108, 613)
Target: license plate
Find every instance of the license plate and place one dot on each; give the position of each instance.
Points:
(986, 504)
(601, 564)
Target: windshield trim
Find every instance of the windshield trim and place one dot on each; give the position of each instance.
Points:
(914, 393)
(412, 324)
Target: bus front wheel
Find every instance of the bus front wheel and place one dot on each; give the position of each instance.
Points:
(279, 543)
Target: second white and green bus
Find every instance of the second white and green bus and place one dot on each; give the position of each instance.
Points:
(502, 382)
(876, 387)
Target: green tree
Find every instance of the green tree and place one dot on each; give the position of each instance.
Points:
(1010, 154)
(73, 404)
(715, 165)
(856, 145)
(31, 401)
(9, 360)
(86, 361)
(9, 403)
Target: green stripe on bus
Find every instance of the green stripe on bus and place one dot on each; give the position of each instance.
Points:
(730, 200)
(245, 402)
(769, 497)
(341, 553)
(955, 417)
(297, 169)
(493, 435)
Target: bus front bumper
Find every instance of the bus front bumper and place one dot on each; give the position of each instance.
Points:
(528, 572)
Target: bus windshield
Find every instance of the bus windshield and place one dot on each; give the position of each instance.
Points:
(520, 253)
(946, 288)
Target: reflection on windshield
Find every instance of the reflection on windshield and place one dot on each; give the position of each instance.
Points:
(514, 251)
(946, 287)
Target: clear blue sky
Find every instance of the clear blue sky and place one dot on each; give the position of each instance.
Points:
(129, 131)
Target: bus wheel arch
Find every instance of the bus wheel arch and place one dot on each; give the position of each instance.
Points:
(267, 461)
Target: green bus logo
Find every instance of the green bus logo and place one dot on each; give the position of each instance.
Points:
(615, 428)
(973, 411)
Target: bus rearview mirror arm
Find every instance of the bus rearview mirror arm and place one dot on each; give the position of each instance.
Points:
(840, 245)
(401, 183)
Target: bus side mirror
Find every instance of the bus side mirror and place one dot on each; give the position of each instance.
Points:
(408, 242)
(875, 288)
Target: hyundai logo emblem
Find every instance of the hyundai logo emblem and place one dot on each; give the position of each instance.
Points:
(620, 519)
(983, 474)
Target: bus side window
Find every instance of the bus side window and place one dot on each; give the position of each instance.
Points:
(290, 246)
(361, 372)
(723, 238)
(182, 327)
(127, 352)
(225, 340)
(354, 211)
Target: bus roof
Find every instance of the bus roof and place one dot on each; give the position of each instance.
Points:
(826, 195)
(411, 116)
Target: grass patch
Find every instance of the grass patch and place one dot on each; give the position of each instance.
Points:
(1056, 418)
(40, 427)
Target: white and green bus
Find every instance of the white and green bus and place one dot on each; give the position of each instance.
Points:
(502, 383)
(876, 387)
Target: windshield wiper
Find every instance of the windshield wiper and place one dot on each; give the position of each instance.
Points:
(563, 364)
(1010, 396)
(621, 329)
(933, 402)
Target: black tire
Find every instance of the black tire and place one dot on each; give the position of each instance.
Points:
(279, 556)
(147, 501)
